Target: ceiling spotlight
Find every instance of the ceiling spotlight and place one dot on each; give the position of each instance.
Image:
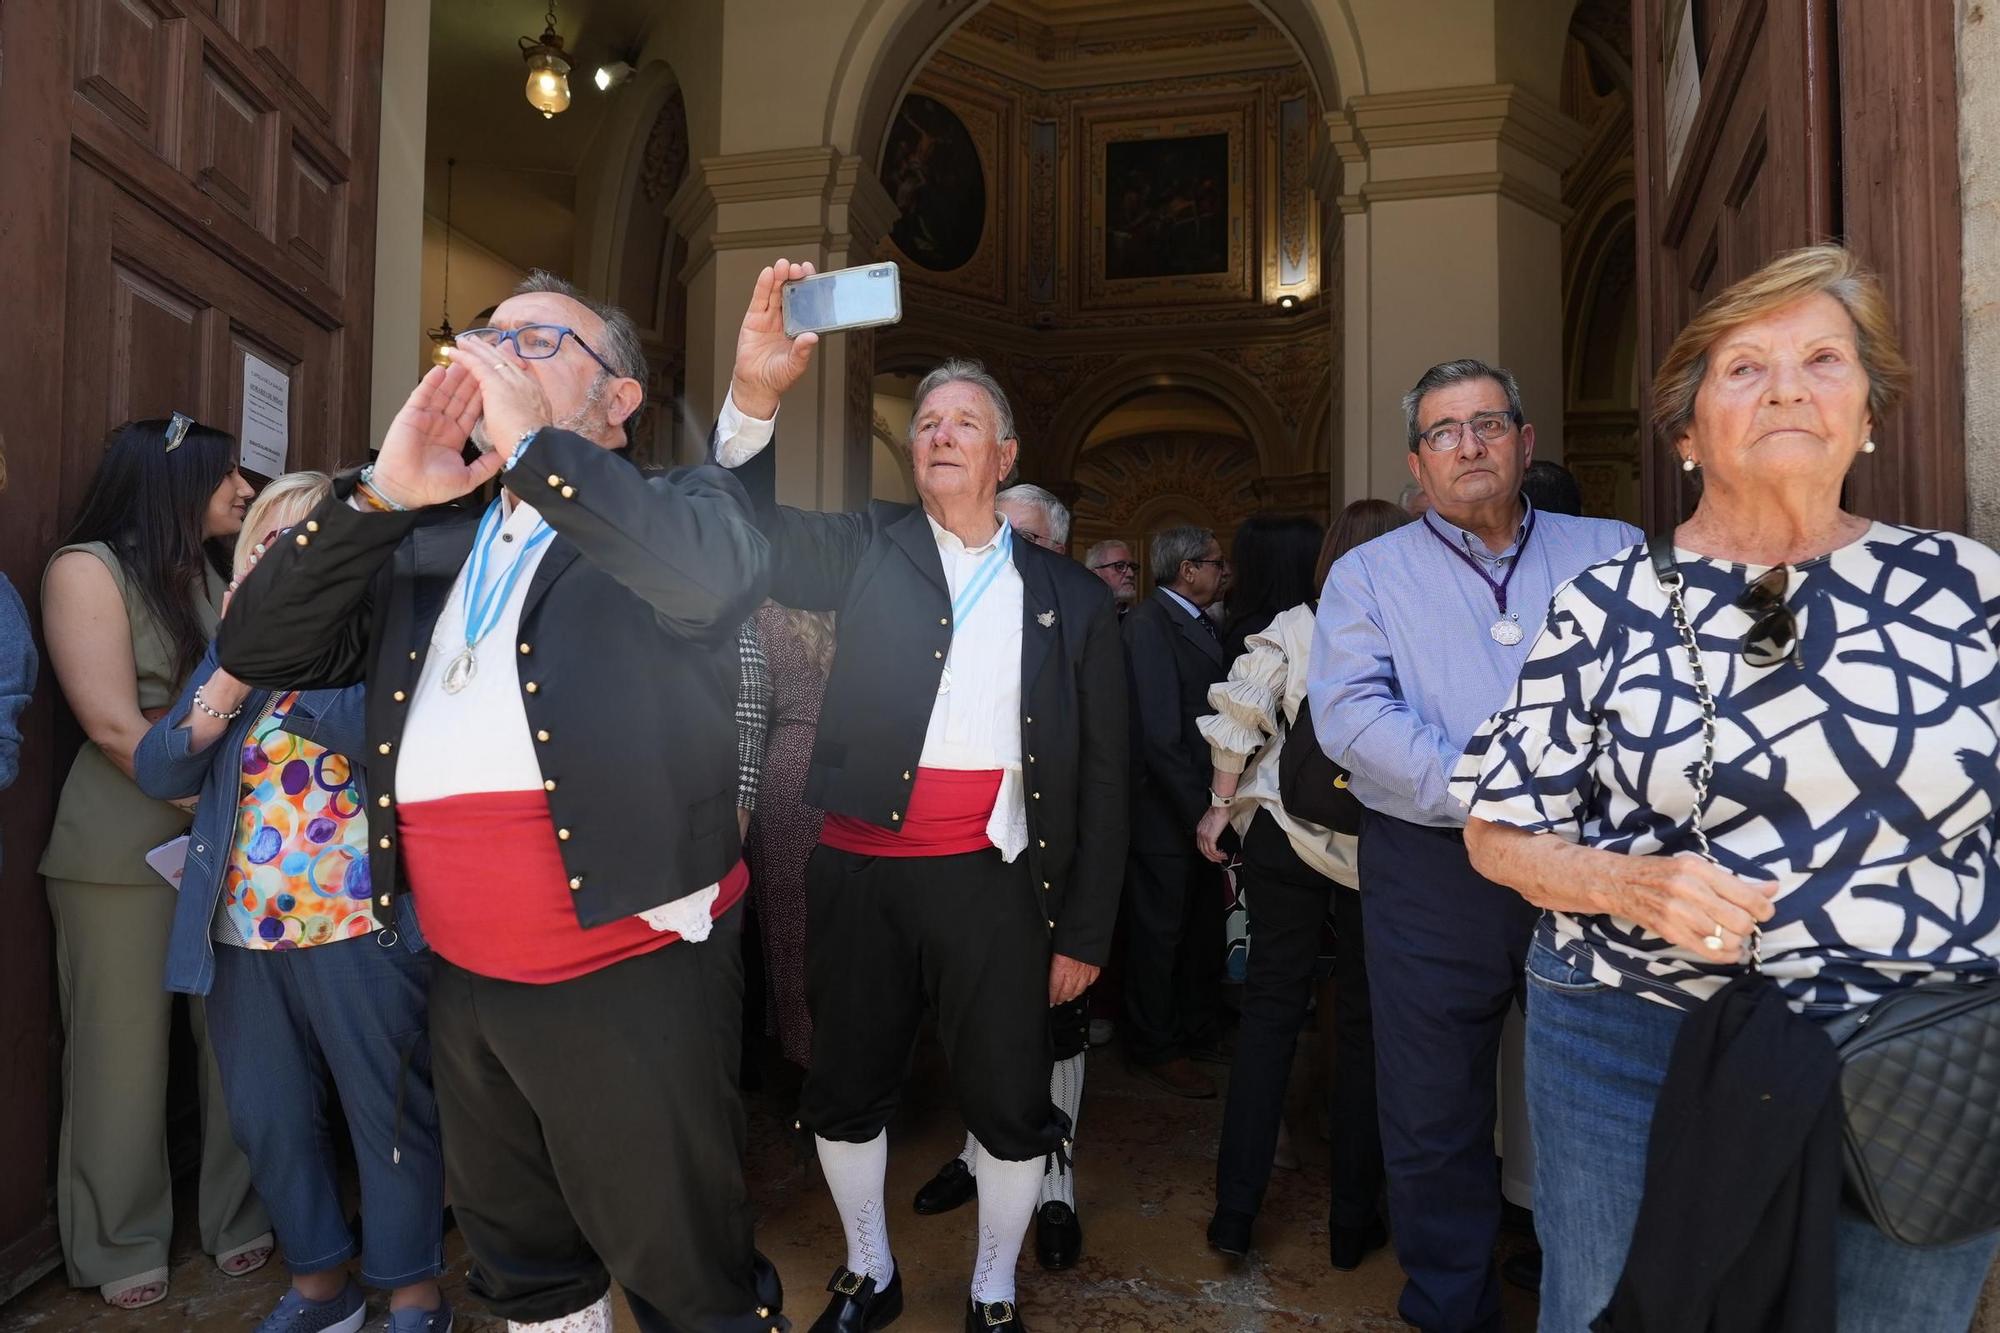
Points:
(1287, 302)
(612, 75)
(548, 69)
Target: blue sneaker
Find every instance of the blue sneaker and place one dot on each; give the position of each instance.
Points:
(421, 1321)
(296, 1314)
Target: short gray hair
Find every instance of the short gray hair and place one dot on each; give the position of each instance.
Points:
(1174, 545)
(960, 370)
(1098, 550)
(621, 336)
(1052, 509)
(1447, 373)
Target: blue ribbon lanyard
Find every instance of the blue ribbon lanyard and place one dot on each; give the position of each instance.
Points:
(982, 578)
(482, 605)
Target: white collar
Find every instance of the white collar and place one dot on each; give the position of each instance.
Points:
(952, 544)
(1192, 609)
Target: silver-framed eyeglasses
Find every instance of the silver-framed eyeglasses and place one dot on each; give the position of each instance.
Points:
(1486, 427)
(534, 342)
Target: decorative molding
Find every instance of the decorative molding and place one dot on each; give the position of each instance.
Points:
(1505, 184)
(1044, 136)
(1063, 53)
(664, 164)
(852, 203)
(1503, 112)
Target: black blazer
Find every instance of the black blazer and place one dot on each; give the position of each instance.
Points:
(1173, 661)
(626, 655)
(880, 571)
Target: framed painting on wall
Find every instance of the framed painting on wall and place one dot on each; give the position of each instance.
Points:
(1168, 218)
(946, 168)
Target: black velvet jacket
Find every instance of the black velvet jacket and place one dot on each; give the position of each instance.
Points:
(626, 655)
(881, 573)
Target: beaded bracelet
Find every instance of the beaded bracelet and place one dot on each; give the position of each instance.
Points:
(374, 496)
(202, 704)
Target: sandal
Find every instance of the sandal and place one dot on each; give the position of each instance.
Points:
(136, 1292)
(248, 1257)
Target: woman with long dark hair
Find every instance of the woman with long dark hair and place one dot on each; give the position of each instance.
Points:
(1271, 570)
(1294, 873)
(128, 605)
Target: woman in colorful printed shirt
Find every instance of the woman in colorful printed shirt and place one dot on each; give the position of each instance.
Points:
(278, 926)
(1854, 668)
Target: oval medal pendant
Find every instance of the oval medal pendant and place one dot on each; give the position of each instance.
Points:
(460, 671)
(944, 681)
(1506, 631)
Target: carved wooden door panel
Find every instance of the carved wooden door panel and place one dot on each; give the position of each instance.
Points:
(1755, 174)
(185, 182)
(1811, 120)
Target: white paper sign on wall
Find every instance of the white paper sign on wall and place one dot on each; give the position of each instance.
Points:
(267, 416)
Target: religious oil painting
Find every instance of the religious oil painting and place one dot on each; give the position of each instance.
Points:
(1166, 207)
(932, 171)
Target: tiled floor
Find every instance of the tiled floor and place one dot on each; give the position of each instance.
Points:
(1146, 1169)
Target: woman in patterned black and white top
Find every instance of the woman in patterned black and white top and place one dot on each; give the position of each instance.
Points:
(1856, 673)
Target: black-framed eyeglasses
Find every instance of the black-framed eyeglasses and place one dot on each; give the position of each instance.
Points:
(1773, 636)
(1122, 566)
(534, 342)
(1218, 560)
(1487, 428)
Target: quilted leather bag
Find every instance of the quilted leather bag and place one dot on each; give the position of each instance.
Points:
(1920, 1094)
(1919, 1069)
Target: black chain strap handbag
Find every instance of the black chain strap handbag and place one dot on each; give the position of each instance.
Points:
(1919, 1069)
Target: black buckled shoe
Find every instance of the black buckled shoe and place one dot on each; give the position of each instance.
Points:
(953, 1186)
(993, 1317)
(1058, 1236)
(856, 1306)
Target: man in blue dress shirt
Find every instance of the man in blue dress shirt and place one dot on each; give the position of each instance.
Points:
(1419, 637)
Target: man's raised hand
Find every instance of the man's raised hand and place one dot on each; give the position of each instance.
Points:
(767, 362)
(420, 462)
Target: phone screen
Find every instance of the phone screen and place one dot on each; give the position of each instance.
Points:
(848, 298)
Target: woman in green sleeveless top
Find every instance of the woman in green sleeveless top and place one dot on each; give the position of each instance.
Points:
(128, 606)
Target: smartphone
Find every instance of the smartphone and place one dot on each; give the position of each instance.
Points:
(847, 298)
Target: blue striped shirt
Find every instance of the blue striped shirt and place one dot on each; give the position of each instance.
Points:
(1404, 669)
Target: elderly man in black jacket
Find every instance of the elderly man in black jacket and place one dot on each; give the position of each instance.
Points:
(971, 760)
(552, 769)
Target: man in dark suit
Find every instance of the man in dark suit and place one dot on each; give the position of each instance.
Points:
(971, 760)
(1174, 909)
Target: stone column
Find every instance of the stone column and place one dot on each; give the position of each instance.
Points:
(741, 211)
(1449, 200)
(399, 212)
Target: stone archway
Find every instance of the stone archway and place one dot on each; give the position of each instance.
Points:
(1210, 376)
(1133, 487)
(628, 252)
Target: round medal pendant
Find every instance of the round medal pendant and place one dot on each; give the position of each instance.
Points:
(458, 673)
(1506, 631)
(944, 681)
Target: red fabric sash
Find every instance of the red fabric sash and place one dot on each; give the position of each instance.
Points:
(948, 814)
(491, 891)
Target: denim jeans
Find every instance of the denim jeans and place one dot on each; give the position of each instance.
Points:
(1596, 1059)
(292, 1028)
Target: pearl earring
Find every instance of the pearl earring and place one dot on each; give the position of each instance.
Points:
(1868, 446)
(1688, 463)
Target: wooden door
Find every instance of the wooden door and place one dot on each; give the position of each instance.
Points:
(1756, 174)
(1816, 120)
(186, 181)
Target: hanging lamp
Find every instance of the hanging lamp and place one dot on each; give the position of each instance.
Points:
(548, 69)
(444, 339)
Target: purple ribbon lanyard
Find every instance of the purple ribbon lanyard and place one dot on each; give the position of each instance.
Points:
(1498, 588)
